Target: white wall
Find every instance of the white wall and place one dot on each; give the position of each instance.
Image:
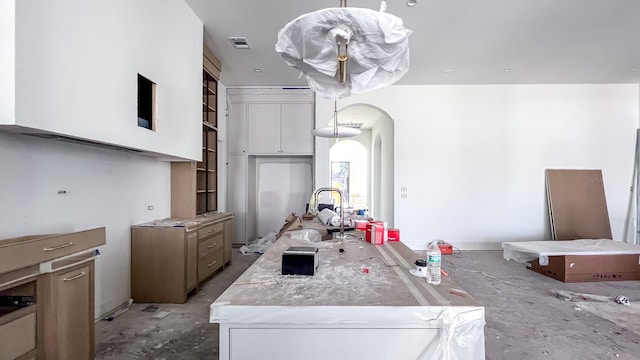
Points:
(77, 63)
(103, 188)
(473, 157)
(7, 61)
(384, 129)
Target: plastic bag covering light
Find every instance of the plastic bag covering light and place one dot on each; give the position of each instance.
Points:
(378, 49)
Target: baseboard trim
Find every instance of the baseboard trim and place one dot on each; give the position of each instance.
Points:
(120, 309)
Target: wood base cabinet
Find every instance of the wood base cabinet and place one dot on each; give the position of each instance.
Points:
(18, 323)
(228, 235)
(47, 296)
(162, 264)
(170, 257)
(67, 321)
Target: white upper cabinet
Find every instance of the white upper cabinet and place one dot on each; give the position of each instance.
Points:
(263, 128)
(237, 129)
(72, 70)
(296, 135)
(271, 122)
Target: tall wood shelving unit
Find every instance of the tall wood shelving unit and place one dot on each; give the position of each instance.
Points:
(207, 169)
(194, 185)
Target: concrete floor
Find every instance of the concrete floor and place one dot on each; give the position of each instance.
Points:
(524, 319)
(184, 334)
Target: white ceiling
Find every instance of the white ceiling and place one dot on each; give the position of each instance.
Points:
(539, 41)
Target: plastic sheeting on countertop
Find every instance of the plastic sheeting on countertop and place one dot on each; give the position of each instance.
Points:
(530, 250)
(187, 223)
(378, 49)
(342, 296)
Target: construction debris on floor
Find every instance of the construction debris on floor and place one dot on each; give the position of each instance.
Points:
(528, 316)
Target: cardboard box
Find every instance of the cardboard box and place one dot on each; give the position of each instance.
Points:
(375, 234)
(292, 222)
(584, 268)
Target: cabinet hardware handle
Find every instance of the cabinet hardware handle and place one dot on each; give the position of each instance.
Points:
(58, 247)
(210, 246)
(210, 265)
(75, 277)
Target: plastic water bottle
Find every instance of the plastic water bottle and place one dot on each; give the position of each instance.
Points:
(434, 259)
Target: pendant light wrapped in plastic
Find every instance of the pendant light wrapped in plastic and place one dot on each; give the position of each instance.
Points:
(335, 131)
(378, 49)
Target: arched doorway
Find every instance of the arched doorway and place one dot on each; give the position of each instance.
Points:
(376, 142)
(349, 172)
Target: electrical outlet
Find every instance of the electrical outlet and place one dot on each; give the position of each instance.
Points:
(150, 207)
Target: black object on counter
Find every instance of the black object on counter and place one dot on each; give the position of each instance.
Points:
(300, 260)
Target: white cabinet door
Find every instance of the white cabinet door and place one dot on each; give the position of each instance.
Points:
(330, 343)
(237, 128)
(237, 195)
(263, 128)
(296, 128)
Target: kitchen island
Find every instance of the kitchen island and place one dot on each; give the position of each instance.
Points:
(362, 303)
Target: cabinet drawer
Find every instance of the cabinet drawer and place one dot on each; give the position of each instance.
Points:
(209, 264)
(210, 245)
(18, 336)
(210, 230)
(25, 251)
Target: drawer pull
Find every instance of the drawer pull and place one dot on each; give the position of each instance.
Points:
(75, 277)
(58, 247)
(213, 263)
(210, 246)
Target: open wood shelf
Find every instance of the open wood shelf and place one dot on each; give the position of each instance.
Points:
(206, 181)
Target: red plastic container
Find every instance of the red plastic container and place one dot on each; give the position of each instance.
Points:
(382, 224)
(375, 234)
(445, 248)
(361, 225)
(393, 235)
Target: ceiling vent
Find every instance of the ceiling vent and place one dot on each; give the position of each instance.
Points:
(351, 125)
(239, 42)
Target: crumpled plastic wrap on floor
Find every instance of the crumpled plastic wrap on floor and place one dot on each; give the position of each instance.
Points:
(531, 250)
(260, 245)
(378, 49)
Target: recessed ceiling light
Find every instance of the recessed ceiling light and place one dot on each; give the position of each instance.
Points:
(506, 70)
(632, 69)
(412, 3)
(257, 70)
(446, 71)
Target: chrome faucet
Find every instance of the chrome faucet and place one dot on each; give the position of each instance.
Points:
(315, 204)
